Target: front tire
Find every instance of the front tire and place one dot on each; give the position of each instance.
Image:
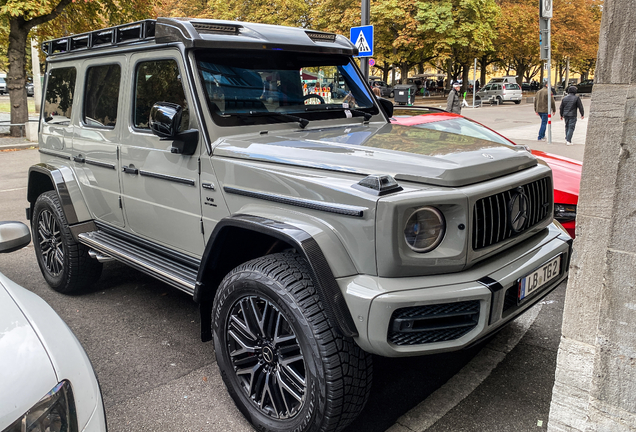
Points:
(65, 263)
(283, 363)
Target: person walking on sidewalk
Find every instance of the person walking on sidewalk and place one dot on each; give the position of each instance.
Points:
(541, 108)
(454, 101)
(568, 108)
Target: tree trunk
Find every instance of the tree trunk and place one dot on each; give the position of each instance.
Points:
(404, 72)
(482, 75)
(16, 77)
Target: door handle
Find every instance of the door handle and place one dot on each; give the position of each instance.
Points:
(130, 169)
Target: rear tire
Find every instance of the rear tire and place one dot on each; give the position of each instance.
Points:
(499, 100)
(283, 363)
(517, 102)
(65, 263)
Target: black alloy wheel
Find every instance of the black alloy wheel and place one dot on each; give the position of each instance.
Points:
(266, 356)
(64, 263)
(49, 238)
(284, 364)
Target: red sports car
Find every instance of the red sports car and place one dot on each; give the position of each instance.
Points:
(566, 173)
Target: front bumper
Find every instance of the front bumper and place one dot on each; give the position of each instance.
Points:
(485, 294)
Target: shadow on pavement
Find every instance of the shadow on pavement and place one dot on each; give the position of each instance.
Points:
(400, 384)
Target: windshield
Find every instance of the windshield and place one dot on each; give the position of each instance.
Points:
(257, 87)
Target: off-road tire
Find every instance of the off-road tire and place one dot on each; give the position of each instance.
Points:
(65, 263)
(337, 373)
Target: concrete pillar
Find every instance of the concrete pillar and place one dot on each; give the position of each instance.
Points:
(595, 381)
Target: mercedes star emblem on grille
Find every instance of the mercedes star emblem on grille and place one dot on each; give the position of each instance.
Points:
(518, 208)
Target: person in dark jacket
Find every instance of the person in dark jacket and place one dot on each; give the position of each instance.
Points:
(454, 101)
(568, 108)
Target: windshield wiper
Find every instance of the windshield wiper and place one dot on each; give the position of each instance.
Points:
(366, 115)
(302, 122)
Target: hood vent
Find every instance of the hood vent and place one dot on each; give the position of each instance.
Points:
(378, 184)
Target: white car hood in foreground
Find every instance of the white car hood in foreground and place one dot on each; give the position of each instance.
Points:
(37, 351)
(26, 373)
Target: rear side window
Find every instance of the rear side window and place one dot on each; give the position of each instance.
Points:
(158, 81)
(58, 103)
(102, 95)
(512, 87)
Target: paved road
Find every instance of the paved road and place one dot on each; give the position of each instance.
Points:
(142, 338)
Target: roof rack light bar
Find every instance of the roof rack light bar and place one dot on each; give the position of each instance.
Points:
(126, 33)
(321, 36)
(207, 28)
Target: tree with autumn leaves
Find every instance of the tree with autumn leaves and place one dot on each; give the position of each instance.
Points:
(408, 33)
(53, 18)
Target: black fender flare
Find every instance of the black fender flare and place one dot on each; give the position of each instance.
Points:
(321, 274)
(35, 188)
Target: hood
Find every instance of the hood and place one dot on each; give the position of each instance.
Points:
(26, 373)
(410, 154)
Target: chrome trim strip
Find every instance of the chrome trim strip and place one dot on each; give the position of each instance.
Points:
(182, 180)
(100, 164)
(341, 209)
(54, 153)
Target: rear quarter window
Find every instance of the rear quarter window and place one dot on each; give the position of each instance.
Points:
(58, 102)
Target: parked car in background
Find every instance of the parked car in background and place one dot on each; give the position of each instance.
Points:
(47, 382)
(585, 86)
(566, 173)
(3, 86)
(504, 79)
(385, 89)
(29, 89)
(500, 93)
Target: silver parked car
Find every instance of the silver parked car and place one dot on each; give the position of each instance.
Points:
(47, 382)
(311, 230)
(500, 93)
(3, 86)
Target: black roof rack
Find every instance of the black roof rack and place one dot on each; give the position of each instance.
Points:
(203, 33)
(123, 34)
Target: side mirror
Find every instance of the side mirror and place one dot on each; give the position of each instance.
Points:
(13, 236)
(387, 106)
(165, 119)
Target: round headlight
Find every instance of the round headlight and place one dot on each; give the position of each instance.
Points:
(424, 229)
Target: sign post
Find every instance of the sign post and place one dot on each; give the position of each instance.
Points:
(545, 13)
(362, 38)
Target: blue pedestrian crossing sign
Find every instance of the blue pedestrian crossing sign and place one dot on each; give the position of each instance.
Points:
(362, 38)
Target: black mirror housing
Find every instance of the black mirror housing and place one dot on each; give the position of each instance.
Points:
(387, 106)
(13, 236)
(165, 120)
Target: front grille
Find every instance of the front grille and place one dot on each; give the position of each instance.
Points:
(433, 323)
(492, 218)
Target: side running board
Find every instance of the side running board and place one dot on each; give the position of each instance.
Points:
(173, 273)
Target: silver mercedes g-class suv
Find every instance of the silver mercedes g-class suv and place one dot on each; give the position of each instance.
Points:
(252, 167)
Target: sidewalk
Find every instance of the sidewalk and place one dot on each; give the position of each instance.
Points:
(10, 143)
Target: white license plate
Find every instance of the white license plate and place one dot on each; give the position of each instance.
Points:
(540, 277)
